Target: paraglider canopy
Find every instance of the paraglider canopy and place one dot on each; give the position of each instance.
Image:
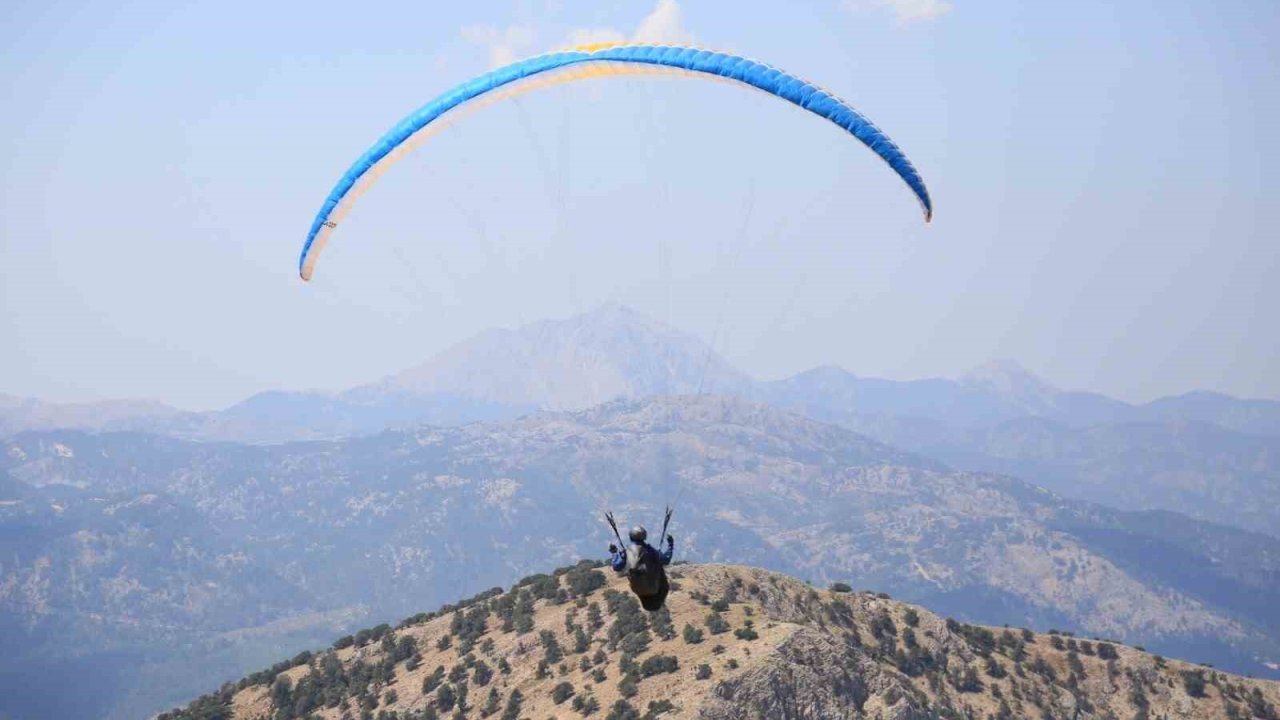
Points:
(594, 61)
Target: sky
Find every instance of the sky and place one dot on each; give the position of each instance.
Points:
(1100, 173)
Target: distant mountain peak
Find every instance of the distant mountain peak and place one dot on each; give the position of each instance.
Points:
(1000, 367)
(572, 363)
(615, 309)
(614, 314)
(1009, 378)
(827, 371)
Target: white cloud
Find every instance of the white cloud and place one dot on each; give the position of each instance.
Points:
(591, 36)
(905, 11)
(505, 44)
(664, 25)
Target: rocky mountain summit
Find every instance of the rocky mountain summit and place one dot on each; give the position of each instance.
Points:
(733, 642)
(571, 364)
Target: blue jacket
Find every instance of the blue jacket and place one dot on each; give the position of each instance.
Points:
(618, 559)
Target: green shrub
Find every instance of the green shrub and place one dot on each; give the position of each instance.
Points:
(969, 681)
(658, 707)
(586, 705)
(716, 623)
(561, 692)
(628, 686)
(514, 702)
(584, 580)
(432, 681)
(657, 664)
(551, 647)
(622, 710)
(1193, 683)
(660, 621)
(445, 698)
(994, 668)
(635, 643)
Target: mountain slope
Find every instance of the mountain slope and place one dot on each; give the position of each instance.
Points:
(1080, 445)
(1191, 467)
(733, 642)
(112, 588)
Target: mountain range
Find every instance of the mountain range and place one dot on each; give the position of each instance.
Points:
(1203, 454)
(616, 352)
(188, 558)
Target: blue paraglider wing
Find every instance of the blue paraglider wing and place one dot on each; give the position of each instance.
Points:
(591, 61)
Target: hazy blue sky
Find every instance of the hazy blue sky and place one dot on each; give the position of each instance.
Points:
(1100, 172)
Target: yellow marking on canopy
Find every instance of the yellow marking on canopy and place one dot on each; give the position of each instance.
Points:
(611, 44)
(596, 46)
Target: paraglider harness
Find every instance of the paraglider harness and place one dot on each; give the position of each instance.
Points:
(645, 572)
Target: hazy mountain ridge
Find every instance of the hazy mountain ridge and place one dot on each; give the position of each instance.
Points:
(996, 418)
(611, 352)
(1255, 417)
(733, 642)
(1000, 392)
(401, 519)
(19, 414)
